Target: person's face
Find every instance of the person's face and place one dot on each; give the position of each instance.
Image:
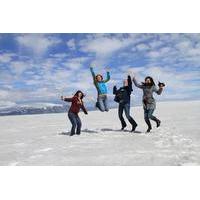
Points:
(99, 78)
(80, 95)
(125, 82)
(148, 81)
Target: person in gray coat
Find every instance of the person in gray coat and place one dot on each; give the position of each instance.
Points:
(149, 103)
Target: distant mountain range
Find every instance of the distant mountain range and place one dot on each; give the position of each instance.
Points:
(37, 108)
(44, 107)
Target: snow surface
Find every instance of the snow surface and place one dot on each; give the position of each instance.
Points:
(39, 139)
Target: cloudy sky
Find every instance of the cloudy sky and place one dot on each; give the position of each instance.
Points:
(41, 67)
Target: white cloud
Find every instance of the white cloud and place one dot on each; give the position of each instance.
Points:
(18, 67)
(142, 47)
(75, 63)
(38, 43)
(6, 57)
(104, 46)
(7, 104)
(71, 44)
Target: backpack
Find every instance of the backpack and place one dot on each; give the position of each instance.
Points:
(119, 97)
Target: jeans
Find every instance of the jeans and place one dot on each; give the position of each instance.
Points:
(76, 123)
(125, 108)
(102, 101)
(148, 114)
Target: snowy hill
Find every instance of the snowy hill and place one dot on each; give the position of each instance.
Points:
(37, 139)
(36, 108)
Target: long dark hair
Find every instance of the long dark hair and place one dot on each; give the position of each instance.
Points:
(79, 91)
(100, 76)
(151, 79)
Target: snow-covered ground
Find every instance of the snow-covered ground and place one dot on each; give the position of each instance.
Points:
(37, 139)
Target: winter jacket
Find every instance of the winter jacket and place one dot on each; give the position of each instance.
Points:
(122, 95)
(100, 86)
(76, 105)
(148, 99)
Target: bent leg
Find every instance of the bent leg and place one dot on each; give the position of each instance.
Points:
(100, 104)
(105, 102)
(72, 119)
(146, 118)
(150, 115)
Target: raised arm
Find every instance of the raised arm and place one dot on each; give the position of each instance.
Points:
(92, 72)
(115, 90)
(137, 84)
(130, 83)
(107, 77)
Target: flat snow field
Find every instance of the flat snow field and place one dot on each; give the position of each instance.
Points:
(38, 139)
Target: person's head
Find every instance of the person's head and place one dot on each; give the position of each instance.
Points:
(99, 77)
(125, 82)
(148, 81)
(79, 94)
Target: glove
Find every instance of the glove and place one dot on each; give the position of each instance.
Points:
(161, 84)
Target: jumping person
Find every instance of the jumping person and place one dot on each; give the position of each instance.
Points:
(122, 96)
(149, 103)
(77, 104)
(99, 82)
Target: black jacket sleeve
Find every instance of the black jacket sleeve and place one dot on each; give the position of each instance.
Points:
(114, 90)
(130, 87)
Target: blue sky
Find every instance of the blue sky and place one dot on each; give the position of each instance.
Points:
(41, 67)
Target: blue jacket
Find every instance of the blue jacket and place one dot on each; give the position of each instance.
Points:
(100, 86)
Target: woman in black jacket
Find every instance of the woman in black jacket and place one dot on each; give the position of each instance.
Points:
(122, 96)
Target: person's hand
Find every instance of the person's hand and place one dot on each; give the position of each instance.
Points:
(131, 73)
(161, 85)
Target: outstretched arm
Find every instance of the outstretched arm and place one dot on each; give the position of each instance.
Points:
(66, 99)
(137, 84)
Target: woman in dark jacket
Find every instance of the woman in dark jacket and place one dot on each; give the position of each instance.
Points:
(122, 96)
(77, 104)
(149, 103)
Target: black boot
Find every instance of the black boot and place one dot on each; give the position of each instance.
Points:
(156, 120)
(133, 127)
(149, 129)
(149, 125)
(133, 123)
(123, 127)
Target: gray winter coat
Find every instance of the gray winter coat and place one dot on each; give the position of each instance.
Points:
(148, 99)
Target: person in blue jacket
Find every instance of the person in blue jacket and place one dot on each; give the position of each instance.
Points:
(100, 84)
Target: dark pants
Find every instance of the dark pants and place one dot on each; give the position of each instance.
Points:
(76, 123)
(125, 108)
(148, 114)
